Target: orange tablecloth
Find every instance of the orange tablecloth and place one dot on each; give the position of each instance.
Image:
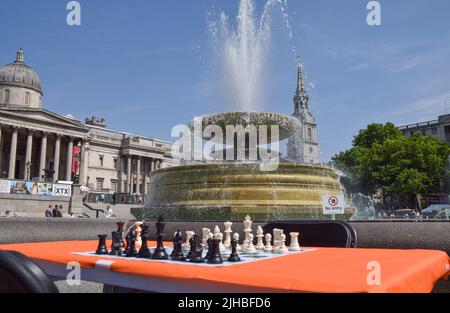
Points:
(322, 270)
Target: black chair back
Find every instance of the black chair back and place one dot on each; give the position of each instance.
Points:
(318, 233)
(19, 274)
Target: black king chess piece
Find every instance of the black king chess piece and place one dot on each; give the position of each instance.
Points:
(195, 255)
(101, 249)
(160, 252)
(132, 252)
(144, 251)
(178, 248)
(116, 247)
(234, 257)
(214, 255)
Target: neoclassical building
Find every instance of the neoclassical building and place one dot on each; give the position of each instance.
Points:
(36, 144)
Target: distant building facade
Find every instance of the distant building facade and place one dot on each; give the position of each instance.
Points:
(439, 128)
(36, 144)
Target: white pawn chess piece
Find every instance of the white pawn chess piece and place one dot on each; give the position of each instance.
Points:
(236, 237)
(228, 233)
(219, 237)
(268, 247)
(282, 249)
(250, 247)
(205, 232)
(247, 230)
(260, 236)
(295, 246)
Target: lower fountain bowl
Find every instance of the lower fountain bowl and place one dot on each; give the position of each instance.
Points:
(230, 191)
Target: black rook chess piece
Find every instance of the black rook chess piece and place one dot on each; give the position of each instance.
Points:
(234, 257)
(196, 253)
(101, 249)
(144, 251)
(178, 248)
(116, 248)
(120, 231)
(160, 252)
(214, 255)
(132, 252)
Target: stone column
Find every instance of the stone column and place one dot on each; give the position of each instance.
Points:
(28, 152)
(57, 158)
(138, 175)
(1, 151)
(146, 170)
(43, 158)
(83, 163)
(69, 160)
(13, 154)
(120, 170)
(129, 180)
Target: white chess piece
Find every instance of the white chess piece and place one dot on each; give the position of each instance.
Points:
(228, 233)
(282, 249)
(216, 230)
(205, 232)
(247, 230)
(295, 246)
(260, 236)
(268, 247)
(250, 247)
(236, 237)
(276, 239)
(189, 235)
(219, 237)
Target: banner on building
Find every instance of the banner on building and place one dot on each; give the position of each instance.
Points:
(45, 189)
(62, 190)
(5, 186)
(76, 160)
(20, 187)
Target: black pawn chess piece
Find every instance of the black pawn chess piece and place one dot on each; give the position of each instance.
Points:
(101, 249)
(120, 226)
(160, 252)
(234, 257)
(178, 248)
(192, 244)
(196, 256)
(132, 252)
(116, 248)
(214, 255)
(144, 251)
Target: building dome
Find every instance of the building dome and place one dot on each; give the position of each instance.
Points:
(20, 84)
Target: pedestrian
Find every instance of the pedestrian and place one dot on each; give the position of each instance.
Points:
(49, 211)
(56, 212)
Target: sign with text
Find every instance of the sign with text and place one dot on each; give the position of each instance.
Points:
(62, 190)
(333, 205)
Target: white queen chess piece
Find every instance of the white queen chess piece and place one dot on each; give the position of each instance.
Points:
(268, 247)
(282, 248)
(228, 232)
(260, 236)
(295, 246)
(236, 237)
(247, 230)
(205, 232)
(250, 247)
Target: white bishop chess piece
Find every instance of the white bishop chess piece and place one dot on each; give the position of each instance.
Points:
(228, 232)
(260, 236)
(282, 249)
(268, 247)
(205, 232)
(295, 246)
(250, 247)
(216, 230)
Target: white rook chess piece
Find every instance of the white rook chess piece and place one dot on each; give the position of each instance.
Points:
(260, 236)
(205, 232)
(236, 237)
(282, 248)
(228, 233)
(219, 237)
(250, 247)
(268, 247)
(247, 230)
(295, 246)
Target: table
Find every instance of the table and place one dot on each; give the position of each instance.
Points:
(322, 270)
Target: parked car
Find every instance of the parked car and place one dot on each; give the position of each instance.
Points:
(434, 209)
(443, 215)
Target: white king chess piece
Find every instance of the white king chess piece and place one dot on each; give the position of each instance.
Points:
(260, 236)
(295, 246)
(228, 233)
(205, 233)
(247, 230)
(250, 247)
(268, 247)
(282, 248)
(236, 237)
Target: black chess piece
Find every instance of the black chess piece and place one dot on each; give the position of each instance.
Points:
(234, 257)
(214, 255)
(120, 226)
(101, 249)
(178, 248)
(196, 256)
(160, 252)
(132, 252)
(128, 244)
(144, 251)
(192, 244)
(116, 247)
(173, 246)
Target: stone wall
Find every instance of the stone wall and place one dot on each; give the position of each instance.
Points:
(35, 205)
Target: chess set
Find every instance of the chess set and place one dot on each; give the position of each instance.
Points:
(212, 249)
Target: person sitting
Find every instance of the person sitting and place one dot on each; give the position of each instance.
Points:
(108, 212)
(49, 211)
(56, 212)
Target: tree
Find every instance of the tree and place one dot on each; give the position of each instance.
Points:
(384, 160)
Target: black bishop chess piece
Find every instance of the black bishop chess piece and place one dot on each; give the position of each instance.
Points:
(174, 240)
(195, 255)
(116, 247)
(144, 251)
(101, 249)
(160, 252)
(178, 248)
(234, 257)
(214, 254)
(132, 252)
(120, 226)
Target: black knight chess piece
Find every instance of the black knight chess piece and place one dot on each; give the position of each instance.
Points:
(160, 252)
(214, 255)
(234, 257)
(132, 252)
(197, 251)
(101, 249)
(116, 247)
(192, 244)
(178, 248)
(144, 251)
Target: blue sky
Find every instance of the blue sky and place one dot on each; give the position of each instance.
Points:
(146, 66)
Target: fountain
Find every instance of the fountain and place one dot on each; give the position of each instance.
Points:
(223, 188)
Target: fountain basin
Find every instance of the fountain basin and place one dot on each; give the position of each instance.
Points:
(230, 191)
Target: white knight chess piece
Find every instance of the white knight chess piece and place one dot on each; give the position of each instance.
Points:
(282, 248)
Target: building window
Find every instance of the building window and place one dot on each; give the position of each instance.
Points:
(27, 98)
(100, 182)
(311, 149)
(115, 163)
(101, 158)
(309, 134)
(6, 96)
(114, 185)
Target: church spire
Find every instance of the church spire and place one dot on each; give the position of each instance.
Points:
(301, 98)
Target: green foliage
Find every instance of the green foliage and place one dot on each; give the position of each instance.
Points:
(383, 159)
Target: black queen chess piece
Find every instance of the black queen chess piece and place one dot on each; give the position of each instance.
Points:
(178, 248)
(234, 257)
(160, 252)
(116, 247)
(144, 251)
(214, 255)
(131, 252)
(101, 249)
(195, 255)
